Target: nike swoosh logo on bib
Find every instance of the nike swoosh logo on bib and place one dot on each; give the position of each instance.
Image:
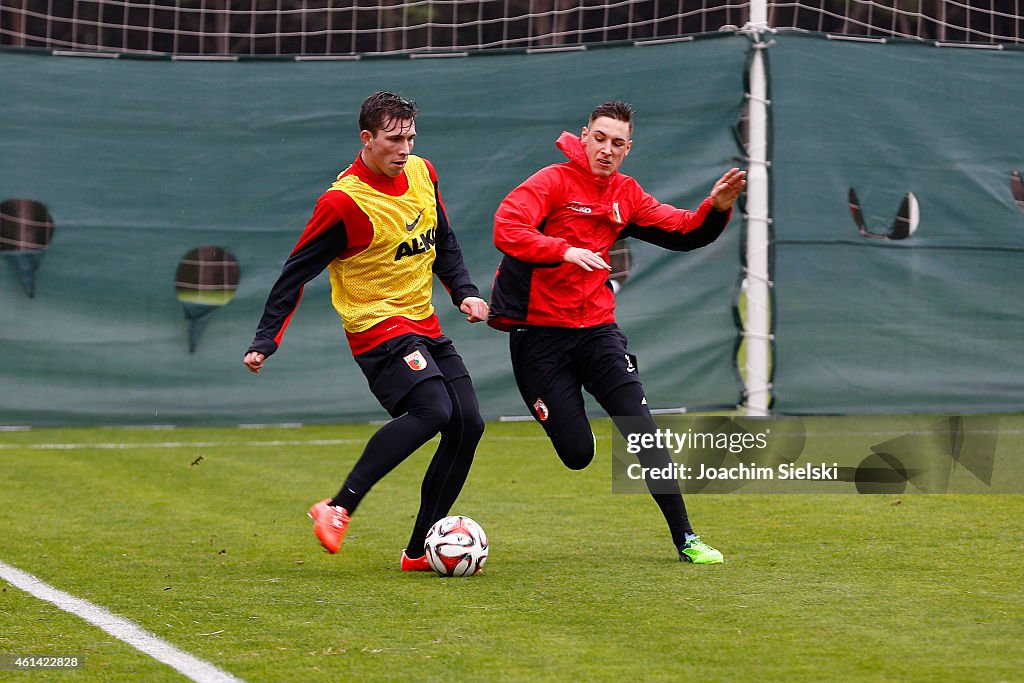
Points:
(412, 226)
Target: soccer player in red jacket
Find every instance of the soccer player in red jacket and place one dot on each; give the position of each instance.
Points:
(551, 292)
(382, 233)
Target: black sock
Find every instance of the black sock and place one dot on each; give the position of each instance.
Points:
(414, 548)
(674, 510)
(628, 401)
(351, 494)
(428, 411)
(450, 465)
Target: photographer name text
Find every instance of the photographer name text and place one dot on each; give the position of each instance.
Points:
(741, 472)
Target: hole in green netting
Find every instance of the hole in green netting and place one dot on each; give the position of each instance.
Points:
(25, 225)
(1017, 188)
(206, 279)
(26, 229)
(207, 275)
(908, 216)
(621, 261)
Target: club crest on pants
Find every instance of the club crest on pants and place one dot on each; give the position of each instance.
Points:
(541, 408)
(415, 360)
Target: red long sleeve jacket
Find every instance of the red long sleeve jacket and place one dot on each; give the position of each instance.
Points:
(565, 205)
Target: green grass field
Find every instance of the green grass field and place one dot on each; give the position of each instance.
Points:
(218, 558)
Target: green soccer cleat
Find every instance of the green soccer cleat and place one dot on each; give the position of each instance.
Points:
(699, 552)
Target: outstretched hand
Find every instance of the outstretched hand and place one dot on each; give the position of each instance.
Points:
(728, 188)
(475, 308)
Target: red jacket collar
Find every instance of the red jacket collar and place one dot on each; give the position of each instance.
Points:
(572, 147)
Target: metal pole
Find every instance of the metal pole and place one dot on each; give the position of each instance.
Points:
(756, 284)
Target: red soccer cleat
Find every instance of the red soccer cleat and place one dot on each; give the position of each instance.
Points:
(419, 564)
(329, 524)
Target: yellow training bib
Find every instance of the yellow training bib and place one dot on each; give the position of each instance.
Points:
(394, 274)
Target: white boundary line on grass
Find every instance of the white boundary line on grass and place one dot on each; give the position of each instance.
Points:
(110, 446)
(194, 668)
(77, 446)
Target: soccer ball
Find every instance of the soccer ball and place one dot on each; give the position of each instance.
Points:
(456, 546)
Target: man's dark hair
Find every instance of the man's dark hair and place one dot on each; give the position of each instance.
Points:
(614, 109)
(381, 106)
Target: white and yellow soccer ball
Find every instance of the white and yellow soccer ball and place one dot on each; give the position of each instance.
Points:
(456, 546)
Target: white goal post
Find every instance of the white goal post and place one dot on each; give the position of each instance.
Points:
(757, 282)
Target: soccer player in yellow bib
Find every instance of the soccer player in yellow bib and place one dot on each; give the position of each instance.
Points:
(382, 232)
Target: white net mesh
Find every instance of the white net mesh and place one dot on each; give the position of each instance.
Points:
(309, 27)
(346, 27)
(971, 21)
